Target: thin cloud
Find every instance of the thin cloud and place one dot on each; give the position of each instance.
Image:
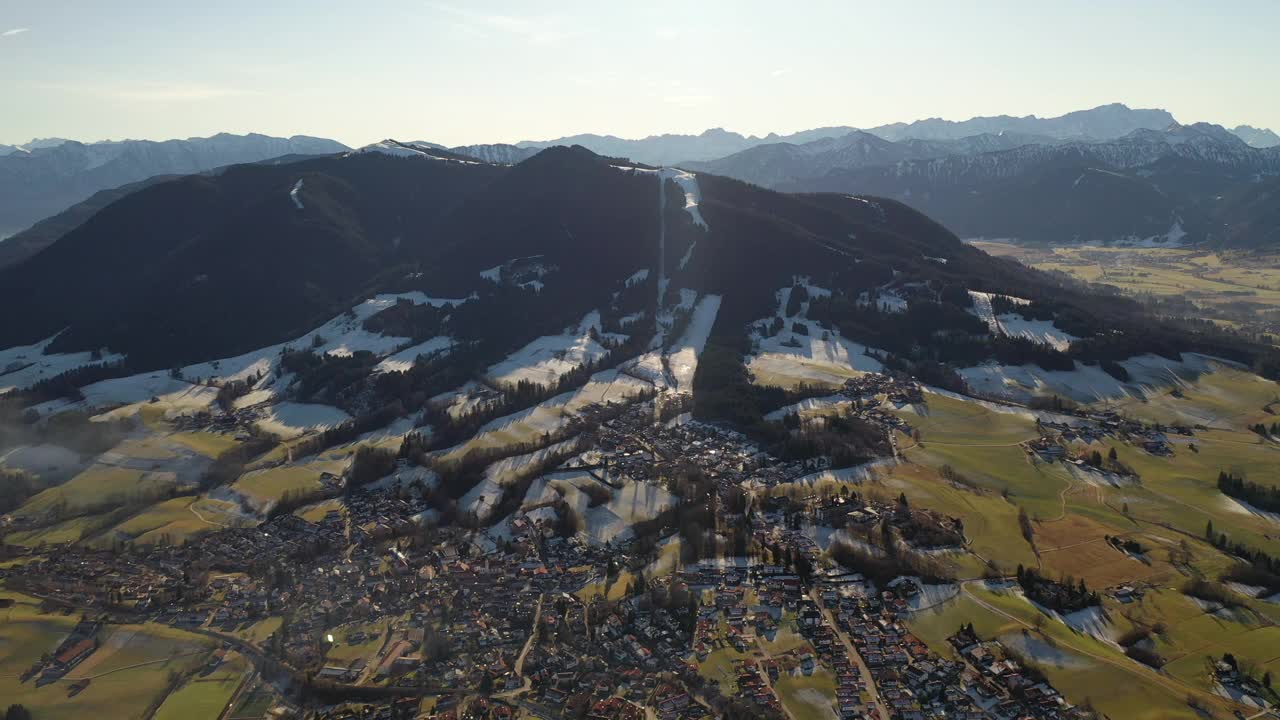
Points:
(532, 29)
(779, 72)
(15, 31)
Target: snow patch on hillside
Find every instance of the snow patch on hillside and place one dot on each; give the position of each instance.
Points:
(819, 357)
(688, 255)
(403, 360)
(683, 356)
(1240, 507)
(886, 301)
(688, 183)
(610, 521)
(1040, 331)
(812, 405)
(982, 307)
(289, 419)
(343, 335)
(25, 365)
(398, 149)
(1086, 383)
(482, 498)
(638, 277)
(545, 360)
(856, 474)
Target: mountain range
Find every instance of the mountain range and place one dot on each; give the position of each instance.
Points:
(219, 265)
(1106, 122)
(1148, 186)
(1107, 174)
(47, 176)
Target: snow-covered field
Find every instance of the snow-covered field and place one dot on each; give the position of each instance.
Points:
(1040, 331)
(1240, 507)
(856, 474)
(1042, 652)
(126, 395)
(398, 149)
(25, 365)
(1086, 383)
(822, 357)
(547, 358)
(632, 503)
(783, 296)
(290, 419)
(692, 194)
(342, 335)
(549, 416)
(816, 361)
(886, 301)
(403, 360)
(488, 492)
(1015, 325)
(684, 353)
(469, 398)
(811, 406)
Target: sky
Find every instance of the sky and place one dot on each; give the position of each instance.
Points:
(460, 72)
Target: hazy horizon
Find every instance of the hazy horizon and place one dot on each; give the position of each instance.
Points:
(691, 132)
(505, 72)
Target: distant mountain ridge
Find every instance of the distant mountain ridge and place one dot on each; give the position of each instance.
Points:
(1103, 123)
(669, 149)
(1100, 123)
(1149, 186)
(1257, 137)
(47, 176)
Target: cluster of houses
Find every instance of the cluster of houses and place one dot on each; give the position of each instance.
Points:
(1058, 437)
(503, 620)
(898, 390)
(1004, 687)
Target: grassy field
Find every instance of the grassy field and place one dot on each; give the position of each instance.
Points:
(343, 652)
(990, 521)
(1204, 277)
(96, 486)
(128, 674)
(719, 668)
(210, 445)
(1073, 513)
(1083, 669)
(67, 531)
(1227, 399)
(204, 696)
(807, 697)
(1173, 501)
(268, 486)
(171, 521)
(261, 630)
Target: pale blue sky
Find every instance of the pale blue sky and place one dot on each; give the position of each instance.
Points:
(460, 72)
